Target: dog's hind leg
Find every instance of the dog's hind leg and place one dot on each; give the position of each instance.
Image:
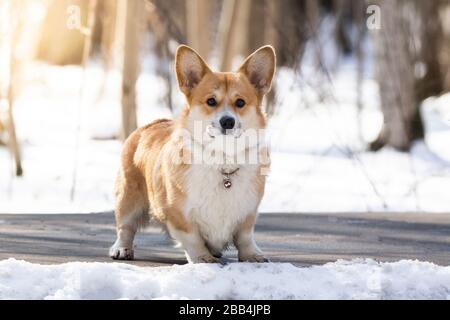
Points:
(193, 244)
(131, 214)
(244, 241)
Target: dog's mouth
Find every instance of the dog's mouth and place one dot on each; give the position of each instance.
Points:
(214, 132)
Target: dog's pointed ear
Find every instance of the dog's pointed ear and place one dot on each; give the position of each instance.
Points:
(259, 68)
(190, 68)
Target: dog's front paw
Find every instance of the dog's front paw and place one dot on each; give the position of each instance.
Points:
(256, 258)
(118, 253)
(207, 258)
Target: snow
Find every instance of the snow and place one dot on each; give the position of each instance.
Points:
(358, 279)
(317, 139)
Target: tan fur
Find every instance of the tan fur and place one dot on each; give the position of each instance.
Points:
(151, 183)
(248, 223)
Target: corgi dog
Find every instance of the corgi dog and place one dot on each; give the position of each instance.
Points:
(181, 172)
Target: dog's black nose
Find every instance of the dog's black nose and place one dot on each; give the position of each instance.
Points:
(227, 122)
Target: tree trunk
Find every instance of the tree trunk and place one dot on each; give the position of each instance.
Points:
(130, 19)
(395, 76)
(272, 22)
(8, 88)
(341, 8)
(236, 43)
(12, 137)
(432, 40)
(59, 44)
(257, 25)
(359, 18)
(445, 54)
(197, 15)
(271, 36)
(292, 32)
(224, 29)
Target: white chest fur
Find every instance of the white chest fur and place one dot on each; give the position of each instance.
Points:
(215, 210)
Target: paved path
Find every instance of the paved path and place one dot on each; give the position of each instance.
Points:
(297, 238)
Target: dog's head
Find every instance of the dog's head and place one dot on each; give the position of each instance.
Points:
(224, 103)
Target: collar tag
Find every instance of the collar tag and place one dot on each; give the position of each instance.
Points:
(226, 178)
(227, 183)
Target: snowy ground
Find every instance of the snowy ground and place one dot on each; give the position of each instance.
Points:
(359, 279)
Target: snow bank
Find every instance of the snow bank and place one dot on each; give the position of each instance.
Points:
(359, 279)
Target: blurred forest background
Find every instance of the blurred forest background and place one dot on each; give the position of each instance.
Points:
(358, 73)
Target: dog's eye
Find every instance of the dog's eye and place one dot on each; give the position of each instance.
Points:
(240, 103)
(211, 102)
